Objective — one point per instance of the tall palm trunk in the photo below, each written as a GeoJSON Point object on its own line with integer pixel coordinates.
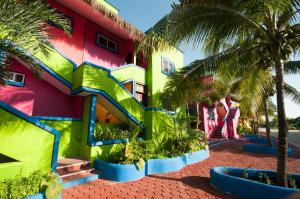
{"type": "Point", "coordinates": [282, 126]}
{"type": "Point", "coordinates": [198, 115]}
{"type": "Point", "coordinates": [268, 131]}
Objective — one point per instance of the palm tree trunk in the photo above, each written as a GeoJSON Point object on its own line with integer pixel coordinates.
{"type": "Point", "coordinates": [253, 125]}
{"type": "Point", "coordinates": [198, 115]}
{"type": "Point", "coordinates": [268, 131]}
{"type": "Point", "coordinates": [282, 126]}
{"type": "Point", "coordinates": [257, 123]}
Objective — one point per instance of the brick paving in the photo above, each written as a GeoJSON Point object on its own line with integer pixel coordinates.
{"type": "Point", "coordinates": [190, 182]}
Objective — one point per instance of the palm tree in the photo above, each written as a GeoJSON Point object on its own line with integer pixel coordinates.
{"type": "Point", "coordinates": [267, 27]}
{"type": "Point", "coordinates": [23, 24]}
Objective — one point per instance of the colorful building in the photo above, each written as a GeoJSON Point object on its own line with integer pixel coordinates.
{"type": "Point", "coordinates": [93, 77]}
{"type": "Point", "coordinates": [218, 119]}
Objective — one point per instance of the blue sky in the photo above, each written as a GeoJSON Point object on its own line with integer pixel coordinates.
{"type": "Point", "coordinates": [145, 13]}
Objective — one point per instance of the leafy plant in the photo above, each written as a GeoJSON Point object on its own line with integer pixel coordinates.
{"type": "Point", "coordinates": [292, 182]}
{"type": "Point", "coordinates": [267, 179]}
{"type": "Point", "coordinates": [106, 133]}
{"type": "Point", "coordinates": [244, 130]}
{"type": "Point", "coordinates": [176, 140]}
{"type": "Point", "coordinates": [246, 174]}
{"type": "Point", "coordinates": [37, 181]}
{"type": "Point", "coordinates": [260, 177]}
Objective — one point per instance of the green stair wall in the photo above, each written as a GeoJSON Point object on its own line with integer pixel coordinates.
{"type": "Point", "coordinates": [30, 145]}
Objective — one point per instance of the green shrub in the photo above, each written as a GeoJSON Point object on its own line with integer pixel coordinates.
{"type": "Point", "coordinates": [37, 181]}
{"type": "Point", "coordinates": [106, 133]}
{"type": "Point", "coordinates": [137, 152]}
{"type": "Point", "coordinates": [242, 130]}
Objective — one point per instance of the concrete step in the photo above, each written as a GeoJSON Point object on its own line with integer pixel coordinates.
{"type": "Point", "coordinates": [68, 165]}
{"type": "Point", "coordinates": [75, 171]}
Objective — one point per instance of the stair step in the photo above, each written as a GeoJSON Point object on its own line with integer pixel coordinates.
{"type": "Point", "coordinates": [79, 178]}
{"type": "Point", "coordinates": [66, 165]}
{"type": "Point", "coordinates": [75, 173]}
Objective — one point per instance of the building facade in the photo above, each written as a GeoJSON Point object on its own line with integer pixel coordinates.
{"type": "Point", "coordinates": [93, 77]}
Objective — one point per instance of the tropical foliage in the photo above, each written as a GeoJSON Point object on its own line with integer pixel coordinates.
{"type": "Point", "coordinates": [175, 140]}
{"type": "Point", "coordinates": [23, 31]}
{"type": "Point", "coordinates": [249, 37]}
{"type": "Point", "coordinates": [36, 182]}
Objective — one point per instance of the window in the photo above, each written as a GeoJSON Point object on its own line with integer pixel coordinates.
{"type": "Point", "coordinates": [167, 67]}
{"type": "Point", "coordinates": [15, 79]}
{"type": "Point", "coordinates": [105, 42]}
{"type": "Point", "coordinates": [70, 19]}
{"type": "Point", "coordinates": [129, 85]}
{"type": "Point", "coordinates": [141, 93]}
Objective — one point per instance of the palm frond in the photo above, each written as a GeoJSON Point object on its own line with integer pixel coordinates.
{"type": "Point", "coordinates": [292, 67]}
{"type": "Point", "coordinates": [292, 93]}
{"type": "Point", "coordinates": [24, 23]}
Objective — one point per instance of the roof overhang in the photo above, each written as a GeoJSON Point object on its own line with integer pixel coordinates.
{"type": "Point", "coordinates": [94, 11]}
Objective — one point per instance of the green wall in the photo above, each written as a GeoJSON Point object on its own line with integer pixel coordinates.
{"type": "Point", "coordinates": [130, 72]}
{"type": "Point", "coordinates": [70, 137]}
{"type": "Point", "coordinates": [157, 80]}
{"type": "Point", "coordinates": [88, 76]}
{"type": "Point", "coordinates": [58, 63]}
{"type": "Point", "coordinates": [30, 145]}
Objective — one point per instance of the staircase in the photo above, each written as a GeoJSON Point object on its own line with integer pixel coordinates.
{"type": "Point", "coordinates": [75, 171]}
{"type": "Point", "coordinates": [218, 132]}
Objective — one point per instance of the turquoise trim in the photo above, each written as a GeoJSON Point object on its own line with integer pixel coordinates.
{"type": "Point", "coordinates": [76, 91]}
{"type": "Point", "coordinates": [112, 77]}
{"type": "Point", "coordinates": [108, 142]}
{"type": "Point", "coordinates": [37, 123]}
{"type": "Point", "coordinates": [80, 181]}
{"type": "Point", "coordinates": [129, 172]}
{"type": "Point", "coordinates": [47, 69]}
{"type": "Point", "coordinates": [13, 83]}
{"type": "Point", "coordinates": [57, 118]}
{"type": "Point", "coordinates": [92, 117]}
{"type": "Point", "coordinates": [109, 98]}
{"type": "Point", "coordinates": [133, 86]}
{"type": "Point", "coordinates": [126, 66]}
{"type": "Point", "coordinates": [231, 180]}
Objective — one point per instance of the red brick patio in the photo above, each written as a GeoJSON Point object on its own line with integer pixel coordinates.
{"type": "Point", "coordinates": [191, 182]}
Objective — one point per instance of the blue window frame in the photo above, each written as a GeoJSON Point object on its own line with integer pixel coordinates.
{"type": "Point", "coordinates": [106, 43]}
{"type": "Point", "coordinates": [167, 67]}
{"type": "Point", "coordinates": [15, 79]}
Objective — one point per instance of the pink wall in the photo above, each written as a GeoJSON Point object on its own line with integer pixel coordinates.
{"type": "Point", "coordinates": [71, 46]}
{"type": "Point", "coordinates": [81, 46]}
{"type": "Point", "coordinates": [39, 98]}
{"type": "Point", "coordinates": [208, 124]}
{"type": "Point", "coordinates": [100, 56]}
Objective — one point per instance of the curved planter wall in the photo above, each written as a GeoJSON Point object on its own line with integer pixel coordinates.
{"type": "Point", "coordinates": [129, 172]}
{"type": "Point", "coordinates": [259, 139]}
{"type": "Point", "coordinates": [264, 149]}
{"type": "Point", "coordinates": [40, 196]}
{"type": "Point", "coordinates": [238, 186]}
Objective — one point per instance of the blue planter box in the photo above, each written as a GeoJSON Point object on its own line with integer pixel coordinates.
{"type": "Point", "coordinates": [259, 139]}
{"type": "Point", "coordinates": [157, 166]}
{"type": "Point", "coordinates": [230, 180]}
{"type": "Point", "coordinates": [264, 149]}
{"type": "Point", "coordinates": [129, 172]}
{"type": "Point", "coordinates": [40, 196]}
{"type": "Point", "coordinates": [118, 172]}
